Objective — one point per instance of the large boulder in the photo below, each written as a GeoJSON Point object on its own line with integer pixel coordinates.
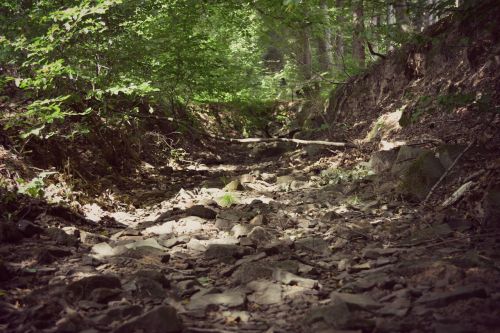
{"type": "Point", "coordinates": [383, 160]}
{"type": "Point", "coordinates": [421, 175]}
{"type": "Point", "coordinates": [406, 156]}
{"type": "Point", "coordinates": [448, 153]}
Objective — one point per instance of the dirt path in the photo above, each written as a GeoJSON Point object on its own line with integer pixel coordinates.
{"type": "Point", "coordinates": [274, 250]}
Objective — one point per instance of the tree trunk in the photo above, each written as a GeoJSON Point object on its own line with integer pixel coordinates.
{"type": "Point", "coordinates": [324, 41]}
{"type": "Point", "coordinates": [402, 19]}
{"type": "Point", "coordinates": [338, 41]}
{"type": "Point", "coordinates": [358, 45]}
{"type": "Point", "coordinates": [305, 59]}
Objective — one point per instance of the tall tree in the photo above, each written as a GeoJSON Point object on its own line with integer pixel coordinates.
{"type": "Point", "coordinates": [358, 43]}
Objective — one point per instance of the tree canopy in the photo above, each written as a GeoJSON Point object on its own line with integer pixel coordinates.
{"type": "Point", "coordinates": [80, 58]}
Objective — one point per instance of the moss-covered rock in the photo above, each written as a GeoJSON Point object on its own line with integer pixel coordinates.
{"type": "Point", "coordinates": [421, 175]}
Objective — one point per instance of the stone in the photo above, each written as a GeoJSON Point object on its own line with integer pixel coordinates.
{"type": "Point", "coordinates": [356, 301]}
{"type": "Point", "coordinates": [186, 225]}
{"type": "Point", "coordinates": [448, 153]}
{"type": "Point", "coordinates": [398, 307]}
{"type": "Point", "coordinates": [314, 150]}
{"type": "Point", "coordinates": [145, 287]}
{"type": "Point", "coordinates": [155, 275]}
{"type": "Point", "coordinates": [374, 253]}
{"type": "Point", "coordinates": [284, 181]}
{"type": "Point", "coordinates": [28, 228]}
{"type": "Point", "coordinates": [312, 244]}
{"type": "Point", "coordinates": [162, 319]}
{"type": "Point", "coordinates": [277, 247]}
{"type": "Point", "coordinates": [233, 186]}
{"type": "Point", "coordinates": [89, 238]}
{"type": "Point", "coordinates": [251, 271]}
{"type": "Point", "coordinates": [440, 299]}
{"type": "Point", "coordinates": [196, 245]}
{"type": "Point", "coordinates": [223, 224]}
{"type": "Point", "coordinates": [406, 155]}
{"type": "Point", "coordinates": [119, 314]}
{"type": "Point", "coordinates": [258, 220]}
{"type": "Point", "coordinates": [271, 149]}
{"type": "Point", "coordinates": [186, 288]}
{"type": "Point", "coordinates": [104, 295]}
{"type": "Point", "coordinates": [421, 175]}
{"type": "Point", "coordinates": [292, 279]}
{"type": "Point", "coordinates": [268, 177]}
{"type": "Point", "coordinates": [201, 211]}
{"type": "Point", "coordinates": [102, 250]}
{"type": "Point", "coordinates": [265, 292]}
{"type": "Point", "coordinates": [82, 288]}
{"type": "Point", "coordinates": [61, 237]}
{"type": "Point", "coordinates": [383, 160]}
{"type": "Point", "coordinates": [225, 252]}
{"type": "Point", "coordinates": [51, 254]}
{"type": "Point", "coordinates": [9, 233]}
{"type": "Point", "coordinates": [336, 315]}
{"type": "Point", "coordinates": [260, 236]}
{"type": "Point", "coordinates": [240, 230]}
{"type": "Point", "coordinates": [230, 298]}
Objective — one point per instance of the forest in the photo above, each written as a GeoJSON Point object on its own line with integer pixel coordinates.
{"type": "Point", "coordinates": [217, 166]}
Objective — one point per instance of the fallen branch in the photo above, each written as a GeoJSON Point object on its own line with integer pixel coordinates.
{"type": "Point", "coordinates": [297, 141]}
{"type": "Point", "coordinates": [443, 176]}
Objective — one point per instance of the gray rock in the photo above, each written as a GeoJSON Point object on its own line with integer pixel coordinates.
{"type": "Point", "coordinates": [383, 160]}
{"type": "Point", "coordinates": [356, 301]}
{"type": "Point", "coordinates": [119, 313]}
{"type": "Point", "coordinates": [240, 230]}
{"type": "Point", "coordinates": [186, 288]}
{"type": "Point", "coordinates": [51, 254]}
{"type": "Point", "coordinates": [200, 211]}
{"type": "Point", "coordinates": [82, 288]}
{"type": "Point", "coordinates": [234, 185]}
{"type": "Point", "coordinates": [288, 278]}
{"type": "Point", "coordinates": [265, 292]}
{"type": "Point", "coordinates": [230, 298]}
{"type": "Point", "coordinates": [421, 175]}
{"type": "Point", "coordinates": [260, 236]}
{"type": "Point", "coordinates": [406, 155]}
{"type": "Point", "coordinates": [9, 233]}
{"type": "Point", "coordinates": [61, 237]}
{"type": "Point", "coordinates": [336, 315]}
{"type": "Point", "coordinates": [196, 245]}
{"type": "Point", "coordinates": [250, 271]}
{"type": "Point", "coordinates": [225, 252]}
{"type": "Point", "coordinates": [223, 224]}
{"type": "Point", "coordinates": [155, 275]}
{"type": "Point", "coordinates": [374, 253]}
{"type": "Point", "coordinates": [258, 220]}
{"type": "Point", "coordinates": [314, 150]}
{"type": "Point", "coordinates": [440, 299]}
{"type": "Point", "coordinates": [89, 238]}
{"type": "Point", "coordinates": [104, 295]}
{"type": "Point", "coordinates": [28, 228]}
{"type": "Point", "coordinates": [271, 150]}
{"type": "Point", "coordinates": [162, 319]}
{"type": "Point", "coordinates": [312, 244]}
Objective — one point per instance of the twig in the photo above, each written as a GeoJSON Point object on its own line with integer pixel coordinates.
{"type": "Point", "coordinates": [446, 172]}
